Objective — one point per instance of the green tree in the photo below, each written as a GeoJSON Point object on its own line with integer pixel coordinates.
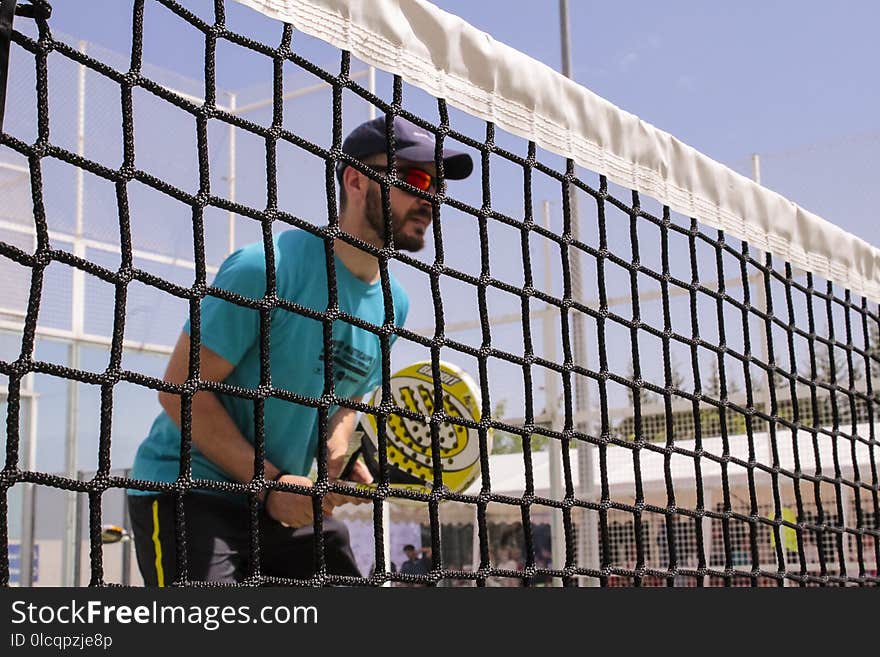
{"type": "Point", "coordinates": [677, 378]}
{"type": "Point", "coordinates": [873, 340]}
{"type": "Point", "coordinates": [645, 396]}
{"type": "Point", "coordinates": [874, 356]}
{"type": "Point", "coordinates": [712, 384]}
{"type": "Point", "coordinates": [503, 442]}
{"type": "Point", "coordinates": [508, 443]}
{"type": "Point", "coordinates": [841, 367]}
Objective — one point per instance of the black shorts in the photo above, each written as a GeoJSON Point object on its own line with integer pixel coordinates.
{"type": "Point", "coordinates": [218, 542]}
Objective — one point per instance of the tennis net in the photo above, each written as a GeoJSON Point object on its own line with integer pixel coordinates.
{"type": "Point", "coordinates": [676, 367]}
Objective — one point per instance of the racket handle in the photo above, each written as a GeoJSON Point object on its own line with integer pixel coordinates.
{"type": "Point", "coordinates": [349, 466]}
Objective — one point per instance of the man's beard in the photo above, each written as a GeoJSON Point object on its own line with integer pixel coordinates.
{"type": "Point", "coordinates": [376, 219]}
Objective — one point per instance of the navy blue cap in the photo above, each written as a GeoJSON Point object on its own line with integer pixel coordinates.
{"type": "Point", "coordinates": [411, 143]}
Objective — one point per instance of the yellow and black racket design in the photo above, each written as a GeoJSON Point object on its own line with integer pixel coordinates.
{"type": "Point", "coordinates": [409, 453]}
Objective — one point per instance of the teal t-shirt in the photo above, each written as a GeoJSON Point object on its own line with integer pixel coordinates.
{"type": "Point", "coordinates": [296, 353]}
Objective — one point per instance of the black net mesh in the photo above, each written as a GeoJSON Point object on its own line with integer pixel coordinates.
{"type": "Point", "coordinates": [747, 456]}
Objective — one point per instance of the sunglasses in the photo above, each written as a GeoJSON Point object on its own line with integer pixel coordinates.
{"type": "Point", "coordinates": [418, 178]}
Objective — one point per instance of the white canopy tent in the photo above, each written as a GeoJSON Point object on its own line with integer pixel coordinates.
{"type": "Point", "coordinates": [507, 474]}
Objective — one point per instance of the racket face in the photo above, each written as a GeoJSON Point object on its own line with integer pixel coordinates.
{"type": "Point", "coordinates": [409, 440]}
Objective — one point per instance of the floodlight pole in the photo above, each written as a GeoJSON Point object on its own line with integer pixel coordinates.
{"type": "Point", "coordinates": [588, 538]}
{"type": "Point", "coordinates": [551, 410]}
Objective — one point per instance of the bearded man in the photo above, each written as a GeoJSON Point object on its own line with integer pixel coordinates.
{"type": "Point", "coordinates": [224, 419]}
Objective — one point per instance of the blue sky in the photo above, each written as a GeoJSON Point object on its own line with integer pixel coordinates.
{"type": "Point", "coordinates": [729, 79]}
{"type": "Point", "coordinates": [794, 81]}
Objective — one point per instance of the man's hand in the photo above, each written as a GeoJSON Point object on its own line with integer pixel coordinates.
{"type": "Point", "coordinates": [293, 509]}
{"type": "Point", "coordinates": [359, 474]}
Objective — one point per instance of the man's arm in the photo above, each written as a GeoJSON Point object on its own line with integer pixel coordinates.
{"type": "Point", "coordinates": [219, 439]}
{"type": "Point", "coordinates": [213, 430]}
{"type": "Point", "coordinates": [339, 432]}
{"type": "Point", "coordinates": [340, 428]}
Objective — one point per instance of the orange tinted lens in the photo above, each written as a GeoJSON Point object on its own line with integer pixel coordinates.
{"type": "Point", "coordinates": [419, 179]}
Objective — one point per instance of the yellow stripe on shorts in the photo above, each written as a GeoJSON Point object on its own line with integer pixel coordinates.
{"type": "Point", "coordinates": [157, 546]}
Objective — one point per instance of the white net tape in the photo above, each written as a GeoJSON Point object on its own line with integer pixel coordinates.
{"type": "Point", "coordinates": [445, 56]}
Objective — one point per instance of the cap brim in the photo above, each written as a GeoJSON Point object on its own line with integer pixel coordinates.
{"type": "Point", "coordinates": [456, 165]}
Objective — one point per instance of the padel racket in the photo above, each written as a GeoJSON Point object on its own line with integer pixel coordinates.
{"type": "Point", "coordinates": [408, 441]}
